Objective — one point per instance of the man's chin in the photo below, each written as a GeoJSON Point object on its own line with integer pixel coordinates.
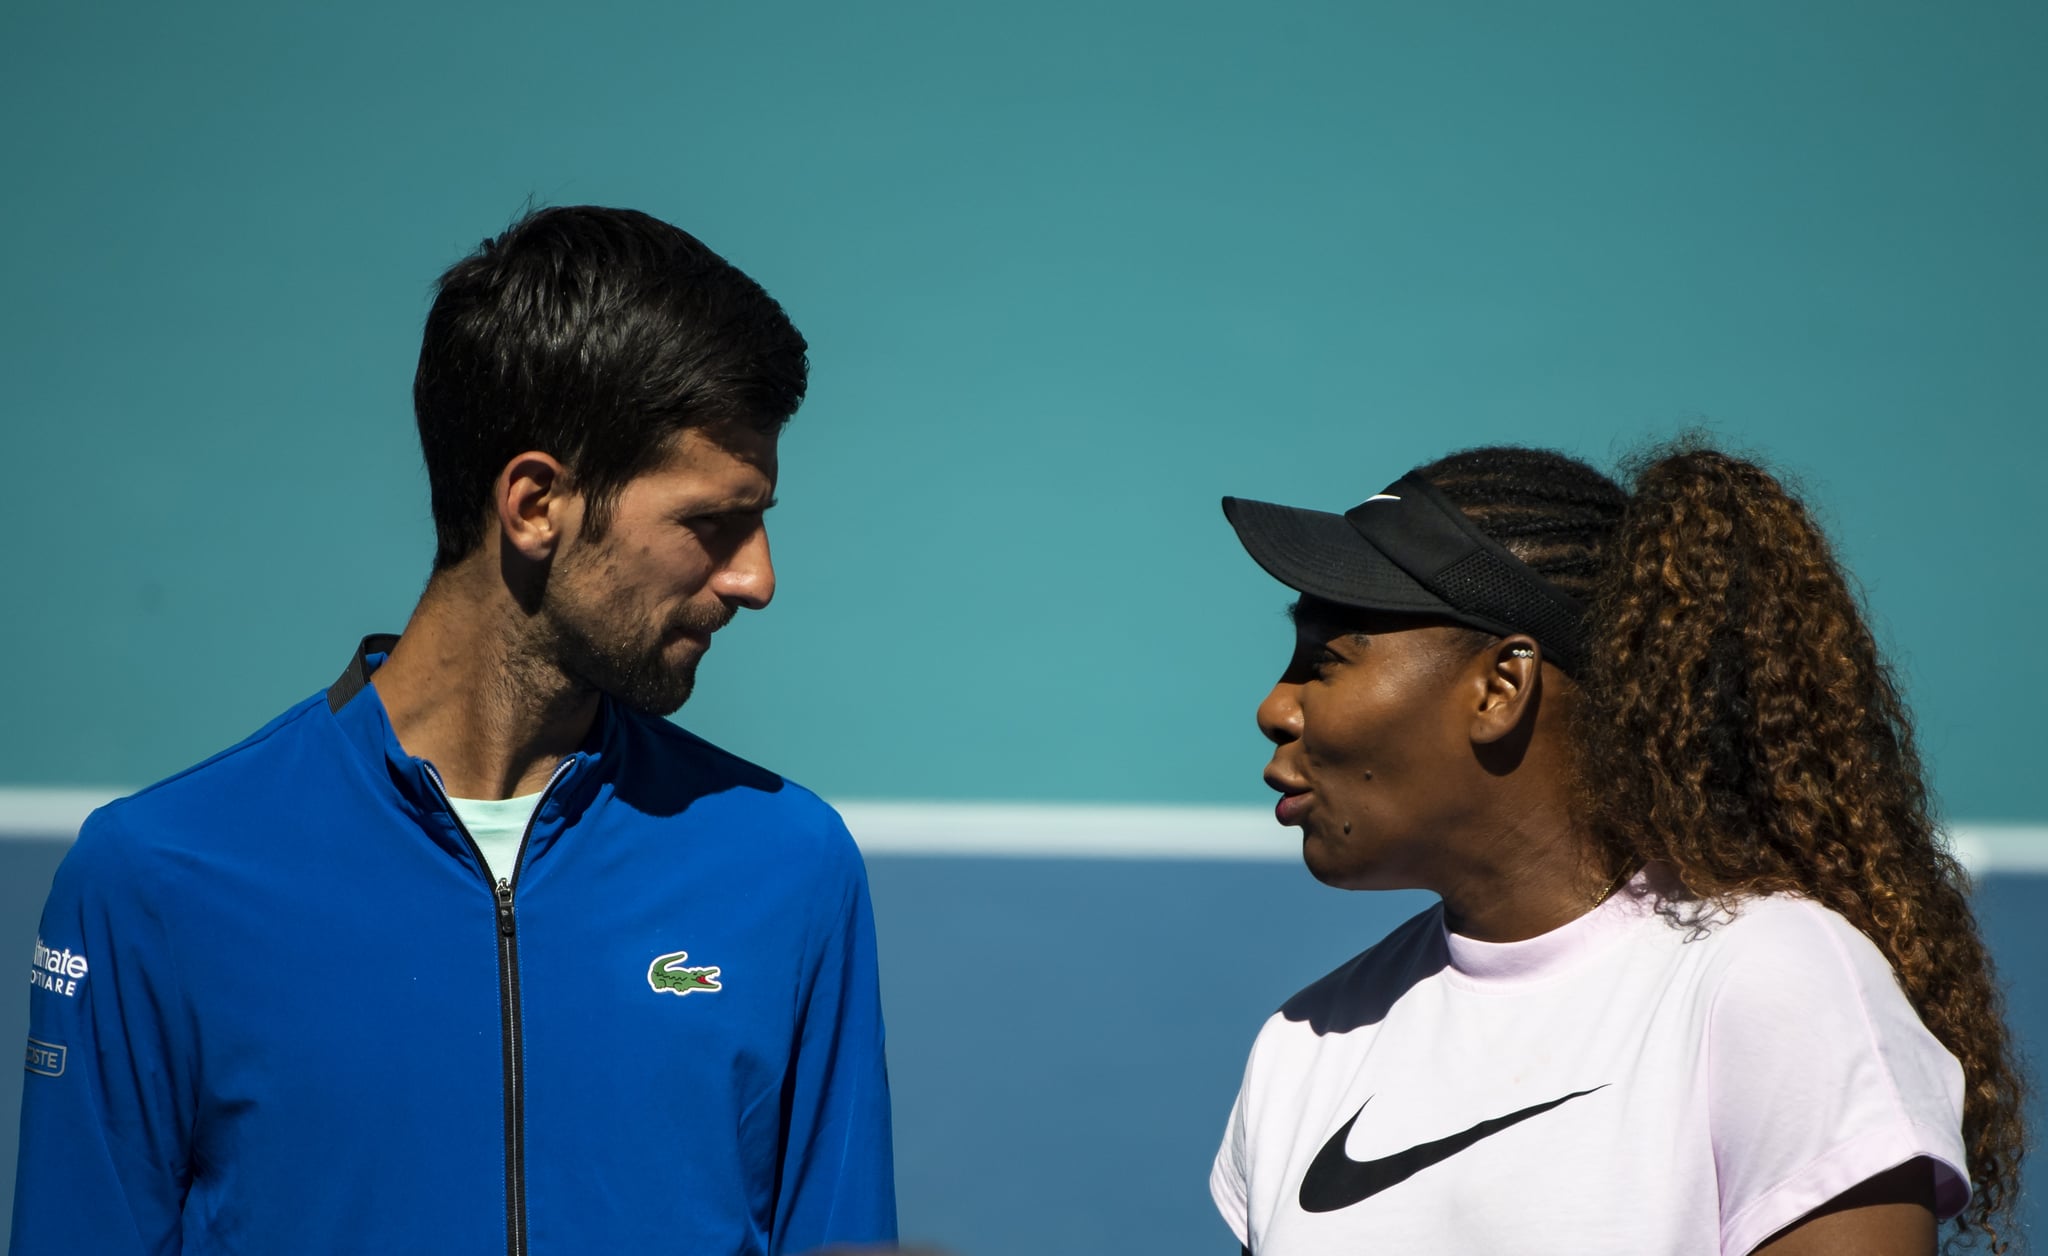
{"type": "Point", "coordinates": [653, 681]}
{"type": "Point", "coordinates": [656, 690]}
{"type": "Point", "coordinates": [663, 701]}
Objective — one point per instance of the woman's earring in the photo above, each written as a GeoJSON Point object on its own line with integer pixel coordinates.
{"type": "Point", "coordinates": [1522, 652]}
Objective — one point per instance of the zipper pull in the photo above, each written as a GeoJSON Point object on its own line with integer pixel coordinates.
{"type": "Point", "coordinates": [505, 907]}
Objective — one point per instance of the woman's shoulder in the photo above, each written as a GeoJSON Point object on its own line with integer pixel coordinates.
{"type": "Point", "coordinates": [1782, 938]}
{"type": "Point", "coordinates": [1789, 975]}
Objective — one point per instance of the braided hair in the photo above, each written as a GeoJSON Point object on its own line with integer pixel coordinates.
{"type": "Point", "coordinates": [1746, 731]}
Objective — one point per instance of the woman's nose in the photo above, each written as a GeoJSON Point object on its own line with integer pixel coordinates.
{"type": "Point", "coordinates": [1279, 715]}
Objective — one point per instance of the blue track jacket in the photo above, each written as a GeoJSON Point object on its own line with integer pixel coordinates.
{"type": "Point", "coordinates": [279, 1007]}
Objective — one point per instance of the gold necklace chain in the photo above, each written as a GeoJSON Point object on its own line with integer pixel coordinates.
{"type": "Point", "coordinates": [1612, 886]}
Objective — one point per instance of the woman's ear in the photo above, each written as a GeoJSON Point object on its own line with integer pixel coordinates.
{"type": "Point", "coordinates": [1513, 670]}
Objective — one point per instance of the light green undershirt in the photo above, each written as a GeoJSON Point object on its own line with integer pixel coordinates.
{"type": "Point", "coordinates": [496, 825]}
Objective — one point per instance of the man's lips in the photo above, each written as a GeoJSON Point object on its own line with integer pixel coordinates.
{"type": "Point", "coordinates": [697, 633]}
{"type": "Point", "coordinates": [698, 627]}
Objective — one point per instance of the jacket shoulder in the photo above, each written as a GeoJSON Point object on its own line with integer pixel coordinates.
{"type": "Point", "coordinates": [204, 790]}
{"type": "Point", "coordinates": [670, 768]}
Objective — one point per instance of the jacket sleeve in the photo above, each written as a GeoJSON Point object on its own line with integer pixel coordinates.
{"type": "Point", "coordinates": [838, 1182]}
{"type": "Point", "coordinates": [105, 1110]}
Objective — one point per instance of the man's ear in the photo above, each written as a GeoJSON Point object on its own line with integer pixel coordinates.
{"type": "Point", "coordinates": [534, 504]}
{"type": "Point", "coordinates": [1513, 670]}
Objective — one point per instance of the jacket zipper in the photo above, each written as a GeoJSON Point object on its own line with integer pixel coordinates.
{"type": "Point", "coordinates": [511, 1034]}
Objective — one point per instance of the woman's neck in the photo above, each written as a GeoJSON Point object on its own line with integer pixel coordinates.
{"type": "Point", "coordinates": [1529, 867]}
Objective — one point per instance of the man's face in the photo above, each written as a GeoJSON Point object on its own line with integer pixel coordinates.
{"type": "Point", "coordinates": [632, 612]}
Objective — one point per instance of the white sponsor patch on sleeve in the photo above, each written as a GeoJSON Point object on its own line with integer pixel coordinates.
{"type": "Point", "coordinates": [58, 971]}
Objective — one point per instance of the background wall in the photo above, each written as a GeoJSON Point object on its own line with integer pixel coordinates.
{"type": "Point", "coordinates": [1070, 272]}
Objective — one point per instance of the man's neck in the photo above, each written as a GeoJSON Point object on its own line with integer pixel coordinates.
{"type": "Point", "coordinates": [465, 693]}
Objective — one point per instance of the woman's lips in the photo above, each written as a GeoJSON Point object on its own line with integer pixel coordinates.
{"type": "Point", "coordinates": [1290, 808]}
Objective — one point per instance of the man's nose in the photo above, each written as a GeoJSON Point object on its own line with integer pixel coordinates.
{"type": "Point", "coordinates": [747, 578]}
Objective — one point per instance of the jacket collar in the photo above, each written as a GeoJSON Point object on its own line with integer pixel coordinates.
{"type": "Point", "coordinates": [360, 717]}
{"type": "Point", "coordinates": [356, 676]}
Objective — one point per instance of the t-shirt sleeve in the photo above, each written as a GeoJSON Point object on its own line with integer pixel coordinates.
{"type": "Point", "coordinates": [1227, 1176]}
{"type": "Point", "coordinates": [1820, 1075]}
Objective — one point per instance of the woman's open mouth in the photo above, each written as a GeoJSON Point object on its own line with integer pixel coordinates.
{"type": "Point", "coordinates": [1290, 807]}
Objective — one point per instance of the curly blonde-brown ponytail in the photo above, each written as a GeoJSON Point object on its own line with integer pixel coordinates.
{"type": "Point", "coordinates": [1745, 730]}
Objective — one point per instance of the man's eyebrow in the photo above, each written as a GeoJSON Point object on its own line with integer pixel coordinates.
{"type": "Point", "coordinates": [743, 503]}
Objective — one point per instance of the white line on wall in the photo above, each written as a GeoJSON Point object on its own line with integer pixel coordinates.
{"type": "Point", "coordinates": [49, 813]}
{"type": "Point", "coordinates": [1049, 830]}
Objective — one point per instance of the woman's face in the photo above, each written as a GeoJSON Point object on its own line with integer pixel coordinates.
{"type": "Point", "coordinates": [1372, 743]}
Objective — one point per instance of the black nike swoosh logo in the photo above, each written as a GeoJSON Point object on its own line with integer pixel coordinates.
{"type": "Point", "coordinates": [1334, 1180]}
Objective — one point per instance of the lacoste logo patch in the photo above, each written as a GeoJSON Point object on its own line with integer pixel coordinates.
{"type": "Point", "coordinates": [666, 975]}
{"type": "Point", "coordinates": [46, 1058]}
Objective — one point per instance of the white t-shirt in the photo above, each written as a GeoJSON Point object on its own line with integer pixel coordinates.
{"type": "Point", "coordinates": [497, 826]}
{"type": "Point", "coordinates": [1617, 1085]}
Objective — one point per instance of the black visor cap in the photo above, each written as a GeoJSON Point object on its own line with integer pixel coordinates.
{"type": "Point", "coordinates": [1409, 550]}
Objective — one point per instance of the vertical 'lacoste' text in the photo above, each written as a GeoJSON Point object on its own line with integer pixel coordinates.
{"type": "Point", "coordinates": [46, 1058]}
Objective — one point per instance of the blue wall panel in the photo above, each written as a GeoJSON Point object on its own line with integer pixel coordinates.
{"type": "Point", "coordinates": [1065, 1036]}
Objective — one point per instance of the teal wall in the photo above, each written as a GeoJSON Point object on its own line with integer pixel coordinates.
{"type": "Point", "coordinates": [1070, 271]}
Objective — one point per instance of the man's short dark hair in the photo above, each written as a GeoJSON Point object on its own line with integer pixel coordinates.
{"type": "Point", "coordinates": [593, 335]}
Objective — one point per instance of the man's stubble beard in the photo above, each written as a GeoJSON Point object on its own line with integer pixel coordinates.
{"type": "Point", "coordinates": [594, 632]}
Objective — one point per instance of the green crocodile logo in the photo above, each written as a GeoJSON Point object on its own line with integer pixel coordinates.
{"type": "Point", "coordinates": [667, 973]}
